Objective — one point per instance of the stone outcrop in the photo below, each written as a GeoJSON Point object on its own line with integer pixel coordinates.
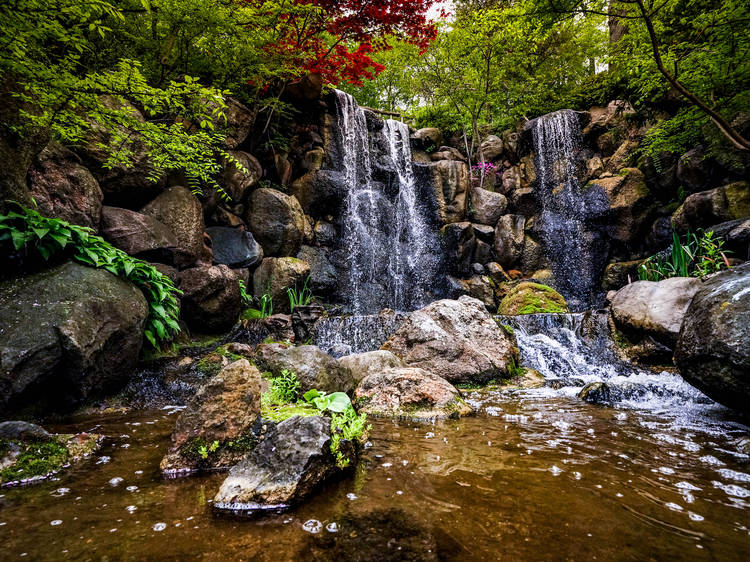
{"type": "Point", "coordinates": [68, 333]}
{"type": "Point", "coordinates": [234, 247]}
{"type": "Point", "coordinates": [532, 298]}
{"type": "Point", "coordinates": [451, 181]}
{"type": "Point", "coordinates": [313, 367]}
{"type": "Point", "coordinates": [712, 349]}
{"type": "Point", "coordinates": [409, 392]}
{"type": "Point", "coordinates": [138, 234]}
{"type": "Point", "coordinates": [369, 363]}
{"type": "Point", "coordinates": [211, 298]}
{"type": "Point", "coordinates": [457, 340]}
{"type": "Point", "coordinates": [275, 275]}
{"type": "Point", "coordinates": [710, 207]}
{"type": "Point", "coordinates": [277, 221]}
{"type": "Point", "coordinates": [487, 206]}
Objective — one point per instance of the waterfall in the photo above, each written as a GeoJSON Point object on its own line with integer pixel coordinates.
{"type": "Point", "coordinates": [570, 245]}
{"type": "Point", "coordinates": [391, 252]}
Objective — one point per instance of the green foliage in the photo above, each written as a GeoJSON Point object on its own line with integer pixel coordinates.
{"type": "Point", "coordinates": [37, 458]}
{"type": "Point", "coordinates": [284, 388]}
{"type": "Point", "coordinates": [350, 426]}
{"type": "Point", "coordinates": [247, 299]}
{"type": "Point", "coordinates": [205, 453]}
{"type": "Point", "coordinates": [29, 232]}
{"type": "Point", "coordinates": [301, 297]}
{"type": "Point", "coordinates": [696, 255]}
{"type": "Point", "coordinates": [336, 402]}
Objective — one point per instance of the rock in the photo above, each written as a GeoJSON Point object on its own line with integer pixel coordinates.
{"type": "Point", "coordinates": [313, 367]}
{"type": "Point", "coordinates": [427, 138]}
{"type": "Point", "coordinates": [369, 363]}
{"type": "Point", "coordinates": [323, 275]}
{"type": "Point", "coordinates": [596, 393]}
{"type": "Point", "coordinates": [68, 333]}
{"type": "Point", "coordinates": [211, 301]}
{"type": "Point", "coordinates": [451, 181]}
{"type": "Point", "coordinates": [496, 273]}
{"type": "Point", "coordinates": [325, 233]}
{"type": "Point", "coordinates": [630, 203]}
{"type": "Point", "coordinates": [285, 467]}
{"type": "Point", "coordinates": [23, 431]}
{"type": "Point", "coordinates": [225, 410]}
{"type": "Point", "coordinates": [619, 274]}
{"type": "Point", "coordinates": [235, 182]}
{"type": "Point", "coordinates": [308, 88]}
{"type": "Point", "coordinates": [63, 188]}
{"type": "Point", "coordinates": [736, 234]}
{"type": "Point", "coordinates": [712, 349]}
{"type": "Point", "coordinates": [487, 206]}
{"type": "Point", "coordinates": [182, 213]}
{"type": "Point", "coordinates": [459, 243]}
{"type": "Point", "coordinates": [304, 319]}
{"type": "Point", "coordinates": [409, 392]}
{"type": "Point", "coordinates": [480, 287]}
{"type": "Point", "coordinates": [532, 298]}
{"type": "Point", "coordinates": [717, 205]}
{"type": "Point", "coordinates": [456, 340]}
{"type": "Point", "coordinates": [484, 232]}
{"type": "Point", "coordinates": [594, 167]}
{"type": "Point", "coordinates": [277, 221]}
{"type": "Point", "coordinates": [492, 148]}
{"type": "Point", "coordinates": [482, 255]}
{"type": "Point", "coordinates": [509, 239]}
{"type": "Point", "coordinates": [620, 158]}
{"type": "Point", "coordinates": [695, 171]}
{"type": "Point", "coordinates": [276, 275]}
{"type": "Point", "coordinates": [447, 153]}
{"type": "Point", "coordinates": [239, 121]}
{"type": "Point", "coordinates": [138, 234]}
{"type": "Point", "coordinates": [511, 179]}
{"type": "Point", "coordinates": [234, 247]}
{"type": "Point", "coordinates": [654, 308]}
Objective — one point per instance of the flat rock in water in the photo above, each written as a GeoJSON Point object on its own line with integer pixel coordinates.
{"type": "Point", "coordinates": [284, 468]}
{"type": "Point", "coordinates": [23, 431]}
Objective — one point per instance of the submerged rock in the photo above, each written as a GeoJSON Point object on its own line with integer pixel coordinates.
{"type": "Point", "coordinates": [68, 333]}
{"type": "Point", "coordinates": [286, 466]}
{"type": "Point", "coordinates": [409, 392]}
{"type": "Point", "coordinates": [455, 339]}
{"type": "Point", "coordinates": [713, 349]}
{"type": "Point", "coordinates": [313, 367]}
{"type": "Point", "coordinates": [596, 393]}
{"type": "Point", "coordinates": [216, 428]}
{"type": "Point", "coordinates": [532, 298]}
{"type": "Point", "coordinates": [654, 308]}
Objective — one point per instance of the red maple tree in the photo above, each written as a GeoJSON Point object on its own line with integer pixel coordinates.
{"type": "Point", "coordinates": [336, 38]}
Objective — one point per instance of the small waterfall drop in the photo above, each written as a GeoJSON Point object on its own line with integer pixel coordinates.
{"type": "Point", "coordinates": [391, 251]}
{"type": "Point", "coordinates": [571, 246]}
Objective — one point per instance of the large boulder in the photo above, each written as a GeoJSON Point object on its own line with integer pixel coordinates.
{"type": "Point", "coordinates": [487, 206]}
{"type": "Point", "coordinates": [369, 363]}
{"type": "Point", "coordinates": [181, 211]}
{"type": "Point", "coordinates": [713, 206]}
{"type": "Point", "coordinates": [234, 247]}
{"type": "Point", "coordinates": [238, 122]}
{"type": "Point", "coordinates": [237, 182]}
{"type": "Point", "coordinates": [277, 221]}
{"type": "Point", "coordinates": [138, 234]}
{"type": "Point", "coordinates": [427, 138]}
{"type": "Point", "coordinates": [454, 339]}
{"type": "Point", "coordinates": [654, 308]}
{"type": "Point", "coordinates": [323, 275]}
{"type": "Point", "coordinates": [68, 333]}
{"type": "Point", "coordinates": [532, 298]}
{"type": "Point", "coordinates": [451, 181]}
{"type": "Point", "coordinates": [459, 243]}
{"type": "Point", "coordinates": [293, 459]}
{"type": "Point", "coordinates": [409, 392]}
{"type": "Point", "coordinates": [314, 368]}
{"type": "Point", "coordinates": [63, 188]}
{"type": "Point", "coordinates": [712, 349]}
{"type": "Point", "coordinates": [275, 275]}
{"type": "Point", "coordinates": [492, 148]}
{"type": "Point", "coordinates": [509, 240]}
{"type": "Point", "coordinates": [211, 299]}
{"type": "Point", "coordinates": [224, 410]}
{"type": "Point", "coordinates": [630, 203]}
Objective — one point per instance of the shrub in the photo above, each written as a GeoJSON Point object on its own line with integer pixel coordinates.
{"type": "Point", "coordinates": [697, 255]}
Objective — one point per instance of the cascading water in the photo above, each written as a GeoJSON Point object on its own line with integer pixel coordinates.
{"type": "Point", "coordinates": [572, 247]}
{"type": "Point", "coordinates": [391, 252]}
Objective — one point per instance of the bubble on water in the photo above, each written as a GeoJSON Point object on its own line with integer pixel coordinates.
{"type": "Point", "coordinates": [732, 489]}
{"type": "Point", "coordinates": [666, 470]}
{"type": "Point", "coordinates": [429, 435]}
{"type": "Point", "coordinates": [577, 475]}
{"type": "Point", "coordinates": [687, 486]}
{"type": "Point", "coordinates": [3, 523]}
{"type": "Point", "coordinates": [131, 488]}
{"type": "Point", "coordinates": [56, 522]}
{"type": "Point", "coordinates": [159, 527]}
{"type": "Point", "coordinates": [386, 465]}
{"type": "Point", "coordinates": [138, 472]}
{"type": "Point", "coordinates": [350, 496]}
{"type": "Point", "coordinates": [125, 445]}
{"type": "Point", "coordinates": [103, 460]}
{"type": "Point", "coordinates": [621, 416]}
{"type": "Point", "coordinates": [131, 509]}
{"type": "Point", "coordinates": [332, 527]}
{"type": "Point", "coordinates": [60, 492]}
{"type": "Point", "coordinates": [493, 411]}
{"type": "Point", "coordinates": [618, 494]}
{"type": "Point", "coordinates": [673, 506]}
{"type": "Point", "coordinates": [709, 459]}
{"type": "Point", "coordinates": [312, 526]}
{"type": "Point", "coordinates": [695, 516]}
{"type": "Point", "coordinates": [399, 492]}
{"type": "Point", "coordinates": [112, 530]}
{"type": "Point", "coordinates": [116, 481]}
{"type": "Point", "coordinates": [734, 475]}
{"type": "Point", "coordinates": [368, 445]}
{"type": "Point", "coordinates": [555, 470]}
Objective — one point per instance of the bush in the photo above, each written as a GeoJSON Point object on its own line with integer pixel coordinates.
{"type": "Point", "coordinates": [698, 255]}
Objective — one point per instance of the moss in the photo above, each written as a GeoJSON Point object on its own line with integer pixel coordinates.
{"type": "Point", "coordinates": [508, 329]}
{"type": "Point", "coordinates": [35, 458]}
{"type": "Point", "coordinates": [532, 298]}
{"type": "Point", "coordinates": [211, 364]}
{"type": "Point", "coordinates": [204, 452]}
{"type": "Point", "coordinates": [279, 413]}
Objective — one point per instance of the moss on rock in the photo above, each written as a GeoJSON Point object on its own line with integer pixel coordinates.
{"type": "Point", "coordinates": [532, 298]}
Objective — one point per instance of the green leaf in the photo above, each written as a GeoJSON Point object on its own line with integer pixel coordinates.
{"type": "Point", "coordinates": [312, 394]}
{"type": "Point", "coordinates": [338, 402]}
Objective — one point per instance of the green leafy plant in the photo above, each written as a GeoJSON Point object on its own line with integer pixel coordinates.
{"type": "Point", "coordinates": [284, 389]}
{"type": "Point", "coordinates": [247, 299]}
{"type": "Point", "coordinates": [29, 233]}
{"type": "Point", "coordinates": [697, 255]}
{"type": "Point", "coordinates": [335, 402]}
{"type": "Point", "coordinates": [300, 297]}
{"type": "Point", "coordinates": [204, 451]}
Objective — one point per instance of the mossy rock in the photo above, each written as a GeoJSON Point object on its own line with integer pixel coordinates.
{"type": "Point", "coordinates": [281, 412]}
{"type": "Point", "coordinates": [532, 298]}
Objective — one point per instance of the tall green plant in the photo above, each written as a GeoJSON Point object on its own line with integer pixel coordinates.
{"type": "Point", "coordinates": [28, 231]}
{"type": "Point", "coordinates": [698, 255]}
{"type": "Point", "coordinates": [299, 297]}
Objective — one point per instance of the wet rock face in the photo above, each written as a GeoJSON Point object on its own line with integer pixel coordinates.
{"type": "Point", "coordinates": [68, 333]}
{"type": "Point", "coordinates": [710, 207]}
{"type": "Point", "coordinates": [456, 340]}
{"type": "Point", "coordinates": [654, 308]}
{"type": "Point", "coordinates": [712, 349]}
{"type": "Point", "coordinates": [292, 460]}
{"type": "Point", "coordinates": [451, 181]}
{"type": "Point", "coordinates": [211, 299]}
{"type": "Point", "coordinates": [487, 206]}
{"type": "Point", "coordinates": [277, 221]}
{"type": "Point", "coordinates": [369, 363]}
{"type": "Point", "coordinates": [223, 410]}
{"type": "Point", "coordinates": [409, 392]}
{"type": "Point", "coordinates": [276, 275]}
{"type": "Point", "coordinates": [138, 234]}
{"type": "Point", "coordinates": [313, 367]}
{"type": "Point", "coordinates": [234, 247]}
{"type": "Point", "coordinates": [63, 188]}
